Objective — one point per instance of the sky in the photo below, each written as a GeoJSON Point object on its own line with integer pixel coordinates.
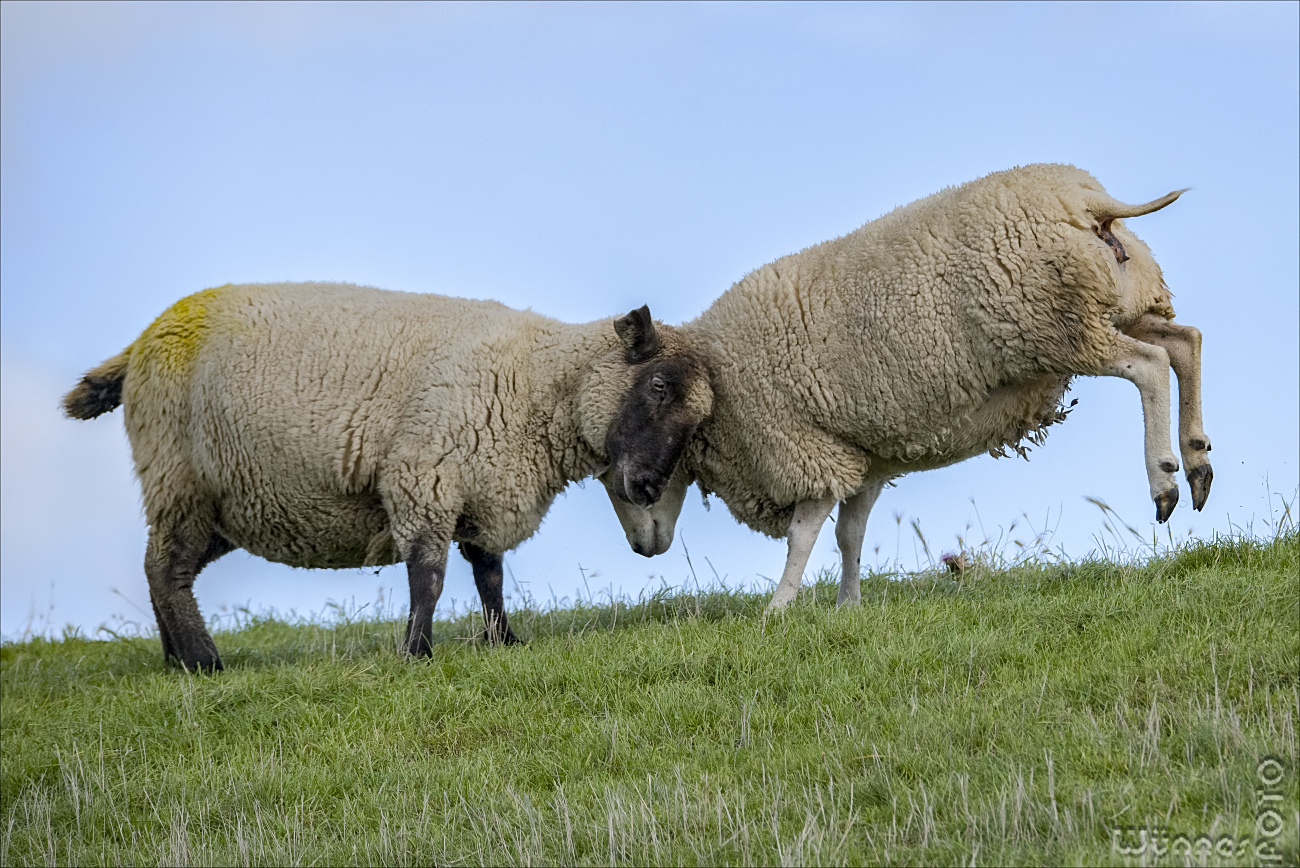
{"type": "Point", "coordinates": [582, 160]}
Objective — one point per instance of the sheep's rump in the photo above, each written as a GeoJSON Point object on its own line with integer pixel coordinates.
{"type": "Point", "coordinates": [280, 405]}
{"type": "Point", "coordinates": [947, 328]}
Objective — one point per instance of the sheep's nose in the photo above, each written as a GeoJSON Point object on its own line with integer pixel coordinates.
{"type": "Point", "coordinates": [644, 488]}
{"type": "Point", "coordinates": [648, 491]}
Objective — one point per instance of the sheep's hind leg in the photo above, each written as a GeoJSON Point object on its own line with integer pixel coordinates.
{"type": "Point", "coordinates": [850, 528]}
{"type": "Point", "coordinates": [1183, 344]}
{"type": "Point", "coordinates": [1147, 367]}
{"type": "Point", "coordinates": [426, 566]}
{"type": "Point", "coordinates": [168, 646]}
{"type": "Point", "coordinates": [177, 551]}
{"type": "Point", "coordinates": [804, 527]}
{"type": "Point", "coordinates": [217, 546]}
{"type": "Point", "coordinates": [488, 577]}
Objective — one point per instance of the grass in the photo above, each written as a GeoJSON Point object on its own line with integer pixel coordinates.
{"type": "Point", "coordinates": [1034, 714]}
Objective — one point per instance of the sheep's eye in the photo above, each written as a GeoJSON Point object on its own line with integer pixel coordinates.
{"type": "Point", "coordinates": [658, 384]}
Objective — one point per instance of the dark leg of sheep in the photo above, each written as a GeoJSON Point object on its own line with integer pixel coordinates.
{"type": "Point", "coordinates": [169, 647]}
{"type": "Point", "coordinates": [488, 576]}
{"type": "Point", "coordinates": [178, 549]}
{"type": "Point", "coordinates": [426, 566]}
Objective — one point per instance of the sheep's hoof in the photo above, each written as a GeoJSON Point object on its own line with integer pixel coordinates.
{"type": "Point", "coordinates": [203, 665]}
{"type": "Point", "coordinates": [1199, 478]}
{"type": "Point", "coordinates": [776, 606]}
{"type": "Point", "coordinates": [495, 638]}
{"type": "Point", "coordinates": [1165, 503]}
{"type": "Point", "coordinates": [418, 648]}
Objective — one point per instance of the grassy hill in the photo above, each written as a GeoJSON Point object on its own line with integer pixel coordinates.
{"type": "Point", "coordinates": [1037, 714]}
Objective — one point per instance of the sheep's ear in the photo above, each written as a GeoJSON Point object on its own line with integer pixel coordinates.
{"type": "Point", "coordinates": [637, 331]}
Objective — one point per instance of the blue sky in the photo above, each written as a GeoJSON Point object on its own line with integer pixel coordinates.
{"type": "Point", "coordinates": [582, 160]}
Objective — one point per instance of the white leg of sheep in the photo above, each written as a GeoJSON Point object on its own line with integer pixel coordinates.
{"type": "Point", "coordinates": [1147, 367]}
{"type": "Point", "coordinates": [1183, 344]}
{"type": "Point", "coordinates": [850, 528]}
{"type": "Point", "coordinates": [804, 527]}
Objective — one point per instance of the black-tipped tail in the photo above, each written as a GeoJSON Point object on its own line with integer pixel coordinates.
{"type": "Point", "coordinates": [100, 391]}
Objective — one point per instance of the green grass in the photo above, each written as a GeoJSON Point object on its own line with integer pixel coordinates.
{"type": "Point", "coordinates": [1010, 716]}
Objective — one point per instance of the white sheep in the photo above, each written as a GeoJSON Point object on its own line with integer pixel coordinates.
{"type": "Point", "coordinates": [331, 425]}
{"type": "Point", "coordinates": [944, 329]}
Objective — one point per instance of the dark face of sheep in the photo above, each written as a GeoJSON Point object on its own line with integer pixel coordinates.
{"type": "Point", "coordinates": [658, 415]}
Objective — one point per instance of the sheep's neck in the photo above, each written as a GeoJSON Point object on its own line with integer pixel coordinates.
{"type": "Point", "coordinates": [562, 361]}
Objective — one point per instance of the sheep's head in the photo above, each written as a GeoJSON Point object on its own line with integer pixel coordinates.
{"type": "Point", "coordinates": [650, 529]}
{"type": "Point", "coordinates": [659, 391]}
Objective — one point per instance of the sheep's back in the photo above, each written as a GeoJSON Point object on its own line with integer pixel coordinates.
{"type": "Point", "coordinates": [294, 397]}
{"type": "Point", "coordinates": [941, 330]}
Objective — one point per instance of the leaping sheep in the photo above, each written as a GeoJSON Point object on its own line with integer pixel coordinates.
{"type": "Point", "coordinates": [331, 425]}
{"type": "Point", "coordinates": [944, 329]}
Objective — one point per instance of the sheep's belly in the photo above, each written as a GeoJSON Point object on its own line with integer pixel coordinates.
{"type": "Point", "coordinates": [1008, 416]}
{"type": "Point", "coordinates": [310, 530]}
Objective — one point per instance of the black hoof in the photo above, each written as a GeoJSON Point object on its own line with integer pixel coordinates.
{"type": "Point", "coordinates": [202, 665]}
{"type": "Point", "coordinates": [1165, 503]}
{"type": "Point", "coordinates": [1199, 478]}
{"type": "Point", "coordinates": [496, 639]}
{"type": "Point", "coordinates": [420, 647]}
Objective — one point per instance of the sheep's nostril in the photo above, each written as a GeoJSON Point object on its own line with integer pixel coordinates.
{"type": "Point", "coordinates": [654, 489]}
{"type": "Point", "coordinates": [644, 490]}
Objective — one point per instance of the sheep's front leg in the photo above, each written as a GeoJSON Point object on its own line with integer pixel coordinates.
{"type": "Point", "coordinates": [850, 528]}
{"type": "Point", "coordinates": [804, 527]}
{"type": "Point", "coordinates": [426, 566]}
{"type": "Point", "coordinates": [488, 577]}
{"type": "Point", "coordinates": [1183, 344]}
{"type": "Point", "coordinates": [1147, 367]}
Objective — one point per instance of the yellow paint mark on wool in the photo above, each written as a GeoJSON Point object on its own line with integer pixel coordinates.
{"type": "Point", "coordinates": [173, 339]}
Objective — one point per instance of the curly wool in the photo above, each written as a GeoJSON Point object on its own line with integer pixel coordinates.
{"type": "Point", "coordinates": [331, 424]}
{"type": "Point", "coordinates": [946, 328]}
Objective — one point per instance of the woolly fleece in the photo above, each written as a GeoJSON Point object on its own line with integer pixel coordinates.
{"type": "Point", "coordinates": [320, 421]}
{"type": "Point", "coordinates": [946, 328]}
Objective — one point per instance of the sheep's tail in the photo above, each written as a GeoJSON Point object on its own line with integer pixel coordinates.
{"type": "Point", "coordinates": [100, 390]}
{"type": "Point", "coordinates": [1103, 207]}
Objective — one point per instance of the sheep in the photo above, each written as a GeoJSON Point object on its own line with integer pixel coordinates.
{"type": "Point", "coordinates": [334, 425]}
{"type": "Point", "coordinates": [944, 329]}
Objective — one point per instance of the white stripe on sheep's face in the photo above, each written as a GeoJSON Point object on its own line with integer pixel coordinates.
{"type": "Point", "coordinates": [667, 395]}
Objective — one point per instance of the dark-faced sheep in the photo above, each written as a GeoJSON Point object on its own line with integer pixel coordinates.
{"type": "Point", "coordinates": [331, 425]}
